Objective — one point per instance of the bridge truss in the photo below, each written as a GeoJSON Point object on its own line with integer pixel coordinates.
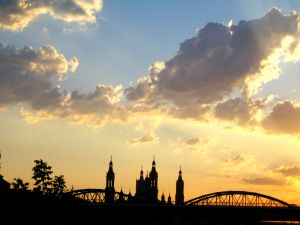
{"type": "Point", "coordinates": [225, 198]}
{"type": "Point", "coordinates": [96, 195]}
{"type": "Point", "coordinates": [236, 199]}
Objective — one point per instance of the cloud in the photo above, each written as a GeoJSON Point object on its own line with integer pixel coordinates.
{"type": "Point", "coordinates": [147, 138]}
{"type": "Point", "coordinates": [284, 118]}
{"type": "Point", "coordinates": [27, 75]}
{"type": "Point", "coordinates": [223, 67]}
{"type": "Point", "coordinates": [93, 109]}
{"type": "Point", "coordinates": [240, 110]}
{"type": "Point", "coordinates": [264, 181]}
{"type": "Point", "coordinates": [289, 171]}
{"type": "Point", "coordinates": [33, 76]}
{"type": "Point", "coordinates": [73, 63]}
{"type": "Point", "coordinates": [192, 141]}
{"type": "Point", "coordinates": [197, 145]}
{"type": "Point", "coordinates": [239, 159]}
{"type": "Point", "coordinates": [15, 15]}
{"type": "Point", "coordinates": [214, 75]}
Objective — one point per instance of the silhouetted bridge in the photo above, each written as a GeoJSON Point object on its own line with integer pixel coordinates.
{"type": "Point", "coordinates": [95, 195]}
{"type": "Point", "coordinates": [224, 199]}
{"type": "Point", "coordinates": [228, 207]}
{"type": "Point", "coordinates": [87, 206]}
{"type": "Point", "coordinates": [236, 199]}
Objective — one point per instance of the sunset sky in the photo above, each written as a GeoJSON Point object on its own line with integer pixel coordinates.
{"type": "Point", "coordinates": [211, 86]}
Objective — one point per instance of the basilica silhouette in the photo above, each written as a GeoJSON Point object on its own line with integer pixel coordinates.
{"type": "Point", "coordinates": [146, 188]}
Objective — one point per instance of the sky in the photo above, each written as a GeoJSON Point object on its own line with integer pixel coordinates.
{"type": "Point", "coordinates": [210, 86]}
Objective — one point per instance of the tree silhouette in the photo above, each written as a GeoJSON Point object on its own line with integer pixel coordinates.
{"type": "Point", "coordinates": [58, 185]}
{"type": "Point", "coordinates": [42, 176]}
{"type": "Point", "coordinates": [19, 185]}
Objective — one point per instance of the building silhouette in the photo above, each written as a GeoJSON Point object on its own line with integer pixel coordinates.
{"type": "Point", "coordinates": [146, 188]}
{"type": "Point", "coordinates": [140, 186]}
{"type": "Point", "coordinates": [169, 200]}
{"type": "Point", "coordinates": [110, 184]}
{"type": "Point", "coordinates": [163, 199]}
{"type": "Point", "coordinates": [179, 198]}
{"type": "Point", "coordinates": [153, 183]}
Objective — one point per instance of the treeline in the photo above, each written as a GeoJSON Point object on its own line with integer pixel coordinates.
{"type": "Point", "coordinates": [44, 182]}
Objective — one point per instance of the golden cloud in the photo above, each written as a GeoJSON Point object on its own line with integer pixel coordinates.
{"type": "Point", "coordinates": [146, 138]}
{"type": "Point", "coordinates": [17, 14]}
{"type": "Point", "coordinates": [214, 75]}
{"type": "Point", "coordinates": [217, 73]}
{"type": "Point", "coordinates": [284, 118]}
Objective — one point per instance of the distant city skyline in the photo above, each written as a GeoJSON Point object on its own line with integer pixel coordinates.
{"type": "Point", "coordinates": [146, 188]}
{"type": "Point", "coordinates": [205, 85]}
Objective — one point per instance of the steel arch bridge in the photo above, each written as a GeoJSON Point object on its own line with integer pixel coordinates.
{"type": "Point", "coordinates": [236, 199]}
{"type": "Point", "coordinates": [95, 195]}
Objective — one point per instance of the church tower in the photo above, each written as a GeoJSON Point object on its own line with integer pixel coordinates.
{"type": "Point", "coordinates": [153, 182]}
{"type": "Point", "coordinates": [110, 184]}
{"type": "Point", "coordinates": [179, 198]}
{"type": "Point", "coordinates": [140, 186]}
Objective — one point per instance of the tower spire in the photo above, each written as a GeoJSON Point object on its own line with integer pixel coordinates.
{"type": "Point", "coordinates": [142, 173]}
{"type": "Point", "coordinates": [153, 182]}
{"type": "Point", "coordinates": [110, 163]}
{"type": "Point", "coordinates": [153, 162]}
{"type": "Point", "coordinates": [110, 183]}
{"type": "Point", "coordinates": [179, 197]}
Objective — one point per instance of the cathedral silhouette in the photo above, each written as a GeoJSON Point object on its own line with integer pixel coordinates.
{"type": "Point", "coordinates": [146, 188]}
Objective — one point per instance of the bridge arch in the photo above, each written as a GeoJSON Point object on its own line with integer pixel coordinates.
{"type": "Point", "coordinates": [95, 195]}
{"type": "Point", "coordinates": [236, 199]}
